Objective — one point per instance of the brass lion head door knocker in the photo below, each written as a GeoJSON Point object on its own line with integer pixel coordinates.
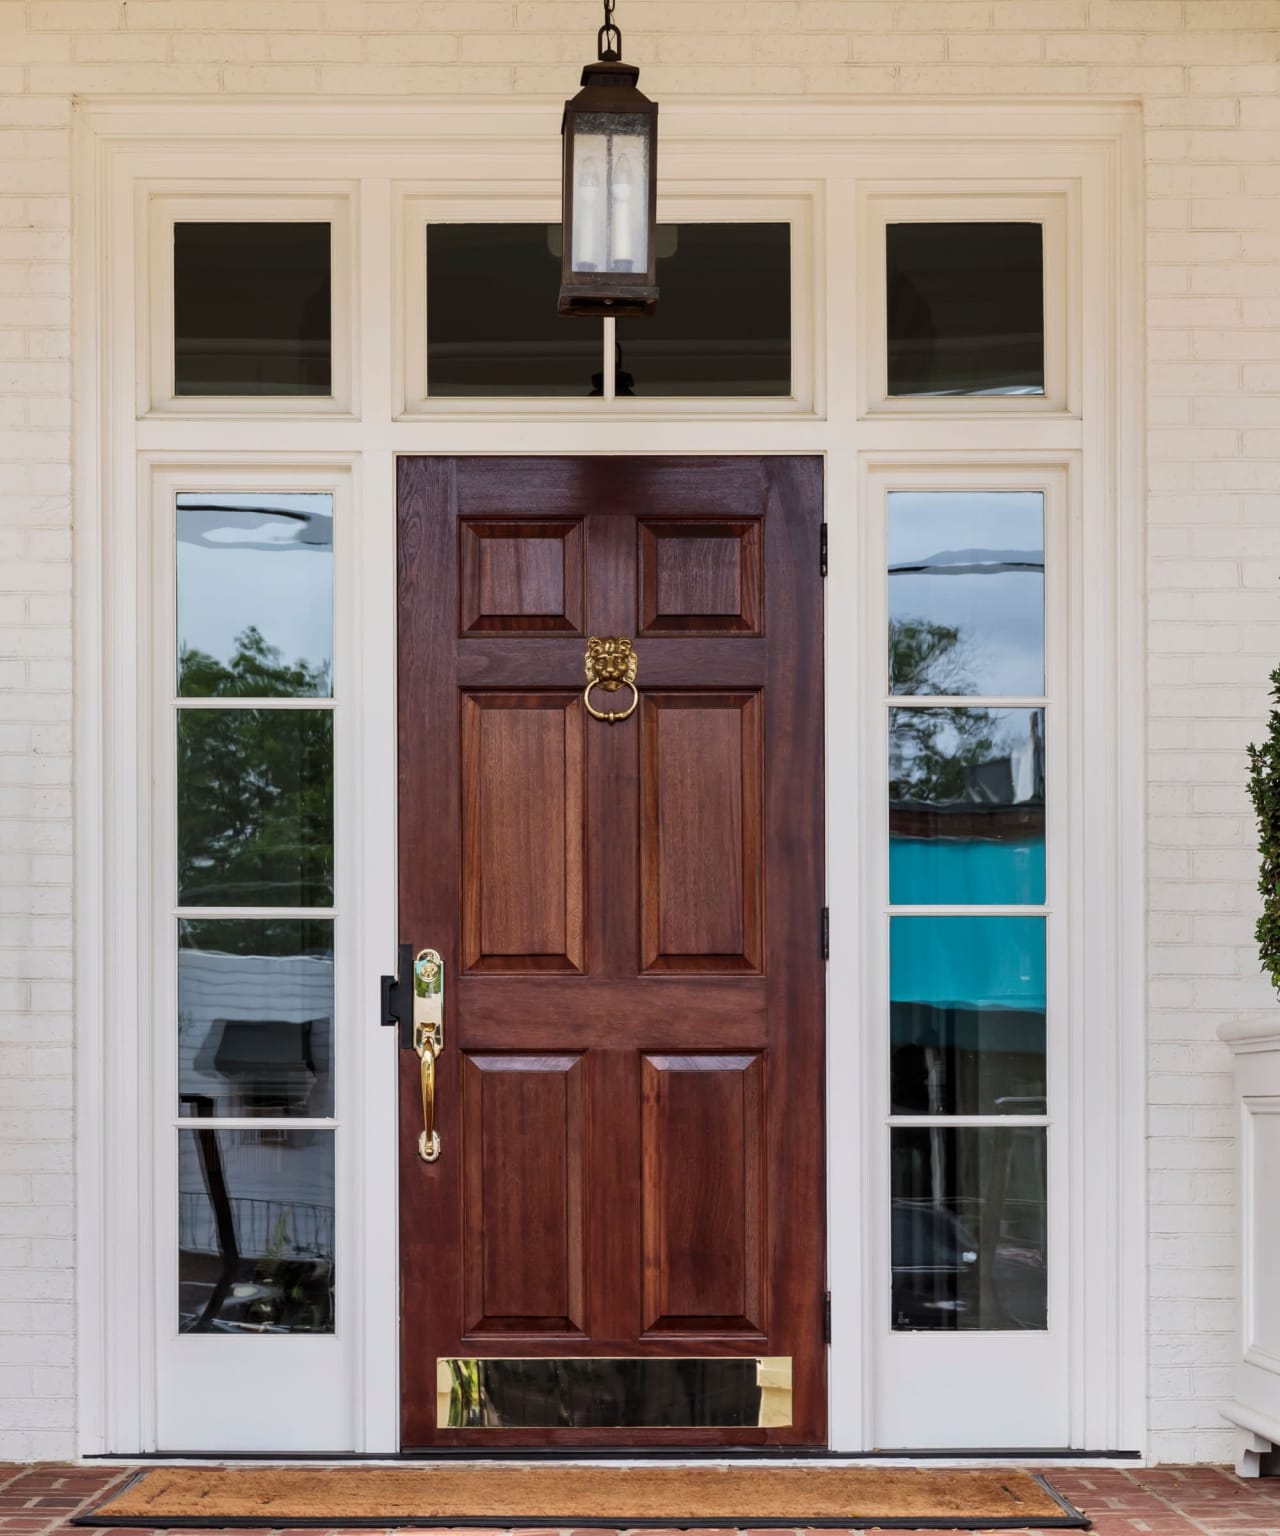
{"type": "Point", "coordinates": [611, 664]}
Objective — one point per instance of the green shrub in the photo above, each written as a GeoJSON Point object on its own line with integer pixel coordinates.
{"type": "Point", "coordinates": [1264, 791]}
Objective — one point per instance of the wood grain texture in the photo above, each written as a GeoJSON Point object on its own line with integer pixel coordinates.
{"type": "Point", "coordinates": [704, 1169]}
{"type": "Point", "coordinates": [701, 842]}
{"type": "Point", "coordinates": [701, 578]}
{"type": "Point", "coordinates": [520, 575]}
{"type": "Point", "coordinates": [523, 874]}
{"type": "Point", "coordinates": [674, 1005]}
{"type": "Point", "coordinates": [523, 1147]}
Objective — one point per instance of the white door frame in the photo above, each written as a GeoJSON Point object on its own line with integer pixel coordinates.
{"type": "Point", "coordinates": [825, 160]}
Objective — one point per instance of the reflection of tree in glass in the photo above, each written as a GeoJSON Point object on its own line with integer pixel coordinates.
{"type": "Point", "coordinates": [255, 786]}
{"type": "Point", "coordinates": [932, 751]}
{"type": "Point", "coordinates": [257, 670]}
{"type": "Point", "coordinates": [927, 658]}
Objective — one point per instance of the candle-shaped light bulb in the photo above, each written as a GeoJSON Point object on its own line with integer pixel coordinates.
{"type": "Point", "coordinates": [620, 188]}
{"type": "Point", "coordinates": [586, 217]}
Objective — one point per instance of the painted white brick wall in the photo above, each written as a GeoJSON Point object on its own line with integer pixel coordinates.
{"type": "Point", "coordinates": [1208, 75]}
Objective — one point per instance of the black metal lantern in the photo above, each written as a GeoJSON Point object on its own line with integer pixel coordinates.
{"type": "Point", "coordinates": [610, 129]}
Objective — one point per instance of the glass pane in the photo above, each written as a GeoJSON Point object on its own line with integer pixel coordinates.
{"type": "Point", "coordinates": [255, 1018]}
{"type": "Point", "coordinates": [966, 309]}
{"type": "Point", "coordinates": [616, 1393]}
{"type": "Point", "coordinates": [255, 808]}
{"type": "Point", "coordinates": [255, 595]}
{"type": "Point", "coordinates": [723, 323]}
{"type": "Point", "coordinates": [492, 326]}
{"type": "Point", "coordinates": [255, 1231]}
{"type": "Point", "coordinates": [966, 592]}
{"type": "Point", "coordinates": [611, 167]}
{"type": "Point", "coordinates": [970, 1225]}
{"type": "Point", "coordinates": [967, 1015]}
{"type": "Point", "coordinates": [966, 806]}
{"type": "Point", "coordinates": [252, 309]}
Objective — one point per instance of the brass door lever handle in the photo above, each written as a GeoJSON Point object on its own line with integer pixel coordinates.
{"type": "Point", "coordinates": [428, 1041]}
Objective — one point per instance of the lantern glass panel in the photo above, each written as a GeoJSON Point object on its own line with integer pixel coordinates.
{"type": "Point", "coordinates": [611, 193]}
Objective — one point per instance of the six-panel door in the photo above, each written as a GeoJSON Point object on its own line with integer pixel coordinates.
{"type": "Point", "coordinates": [622, 1240]}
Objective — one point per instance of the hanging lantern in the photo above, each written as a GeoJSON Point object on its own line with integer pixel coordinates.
{"type": "Point", "coordinates": [610, 130]}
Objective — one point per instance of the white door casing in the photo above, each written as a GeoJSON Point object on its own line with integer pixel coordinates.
{"type": "Point", "coordinates": [833, 171]}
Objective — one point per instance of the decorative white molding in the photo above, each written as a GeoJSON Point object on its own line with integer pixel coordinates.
{"type": "Point", "coordinates": [1255, 1409]}
{"type": "Point", "coordinates": [823, 152]}
{"type": "Point", "coordinates": [1254, 1032]}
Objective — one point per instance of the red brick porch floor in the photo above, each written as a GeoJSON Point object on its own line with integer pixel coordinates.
{"type": "Point", "coordinates": [1164, 1501]}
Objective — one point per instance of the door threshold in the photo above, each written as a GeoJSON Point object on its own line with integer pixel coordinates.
{"type": "Point", "coordinates": [786, 1455]}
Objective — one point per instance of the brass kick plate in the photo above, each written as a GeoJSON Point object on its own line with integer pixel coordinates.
{"type": "Point", "coordinates": [614, 1392]}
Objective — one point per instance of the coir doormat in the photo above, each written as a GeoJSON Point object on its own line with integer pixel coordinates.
{"type": "Point", "coordinates": [582, 1496]}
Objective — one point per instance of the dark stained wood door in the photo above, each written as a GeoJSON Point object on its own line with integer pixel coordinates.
{"type": "Point", "coordinates": [630, 1098]}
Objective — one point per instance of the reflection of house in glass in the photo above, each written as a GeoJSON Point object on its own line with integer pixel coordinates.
{"type": "Point", "coordinates": [255, 1231]}
{"type": "Point", "coordinates": [969, 1227]}
{"type": "Point", "coordinates": [967, 830]}
{"type": "Point", "coordinates": [966, 806]}
{"type": "Point", "coordinates": [255, 1205]}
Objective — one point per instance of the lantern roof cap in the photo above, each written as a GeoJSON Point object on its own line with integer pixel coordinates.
{"type": "Point", "coordinates": [612, 74]}
{"type": "Point", "coordinates": [610, 86]}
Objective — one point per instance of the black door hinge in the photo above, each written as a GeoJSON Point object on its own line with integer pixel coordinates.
{"type": "Point", "coordinates": [397, 998]}
{"type": "Point", "coordinates": [826, 1317]}
{"type": "Point", "coordinates": [822, 549]}
{"type": "Point", "coordinates": [826, 933]}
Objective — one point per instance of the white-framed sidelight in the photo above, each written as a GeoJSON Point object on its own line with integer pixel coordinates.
{"type": "Point", "coordinates": [835, 171]}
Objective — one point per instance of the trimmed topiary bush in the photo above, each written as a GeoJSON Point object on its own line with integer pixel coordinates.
{"type": "Point", "coordinates": [1264, 791]}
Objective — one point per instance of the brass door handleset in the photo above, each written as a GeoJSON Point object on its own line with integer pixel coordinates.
{"type": "Point", "coordinates": [413, 1001]}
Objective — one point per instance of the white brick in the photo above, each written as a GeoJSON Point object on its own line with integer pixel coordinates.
{"type": "Point", "coordinates": [76, 15]}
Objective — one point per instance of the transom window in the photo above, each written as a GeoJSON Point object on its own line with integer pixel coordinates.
{"type": "Point", "coordinates": [723, 326]}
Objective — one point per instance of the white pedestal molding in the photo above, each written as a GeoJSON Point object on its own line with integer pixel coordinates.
{"type": "Point", "coordinates": [1255, 1405]}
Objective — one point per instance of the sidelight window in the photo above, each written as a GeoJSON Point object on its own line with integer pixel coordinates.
{"type": "Point", "coordinates": [254, 921]}
{"type": "Point", "coordinates": [968, 718]}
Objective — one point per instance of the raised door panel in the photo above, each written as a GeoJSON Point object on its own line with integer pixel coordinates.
{"type": "Point", "coordinates": [703, 1150]}
{"type": "Point", "coordinates": [522, 834]}
{"type": "Point", "coordinates": [520, 576]}
{"type": "Point", "coordinates": [701, 577]}
{"type": "Point", "coordinates": [523, 1267]}
{"type": "Point", "coordinates": [701, 845]}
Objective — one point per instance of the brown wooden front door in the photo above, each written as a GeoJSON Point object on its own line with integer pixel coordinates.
{"type": "Point", "coordinates": [625, 1223]}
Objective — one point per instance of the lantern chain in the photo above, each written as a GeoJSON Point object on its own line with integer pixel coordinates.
{"type": "Point", "coordinates": [609, 40]}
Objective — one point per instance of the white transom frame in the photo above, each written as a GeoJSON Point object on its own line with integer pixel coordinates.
{"type": "Point", "coordinates": [231, 203]}
{"type": "Point", "coordinates": [822, 153]}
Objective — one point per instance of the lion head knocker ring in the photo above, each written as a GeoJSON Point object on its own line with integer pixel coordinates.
{"type": "Point", "coordinates": [611, 664]}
